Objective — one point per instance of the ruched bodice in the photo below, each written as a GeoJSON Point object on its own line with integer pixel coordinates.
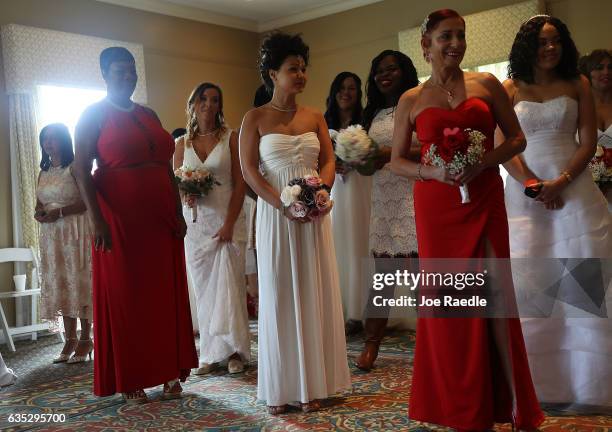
{"type": "Point", "coordinates": [278, 152]}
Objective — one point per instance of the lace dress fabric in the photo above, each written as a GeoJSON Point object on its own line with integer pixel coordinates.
{"type": "Point", "coordinates": [65, 250]}
{"type": "Point", "coordinates": [392, 226]}
{"type": "Point", "coordinates": [217, 269]}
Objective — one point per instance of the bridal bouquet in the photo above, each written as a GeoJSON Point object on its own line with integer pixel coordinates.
{"type": "Point", "coordinates": [601, 165]}
{"type": "Point", "coordinates": [458, 150]}
{"type": "Point", "coordinates": [355, 147]}
{"type": "Point", "coordinates": [194, 181]}
{"type": "Point", "coordinates": [306, 197]}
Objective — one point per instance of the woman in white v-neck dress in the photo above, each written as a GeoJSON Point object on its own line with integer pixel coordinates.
{"type": "Point", "coordinates": [302, 347]}
{"type": "Point", "coordinates": [215, 242]}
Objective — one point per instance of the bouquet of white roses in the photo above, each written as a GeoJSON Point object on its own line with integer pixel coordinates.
{"type": "Point", "coordinates": [355, 147]}
{"type": "Point", "coordinates": [306, 197]}
{"type": "Point", "coordinates": [194, 181]}
{"type": "Point", "coordinates": [458, 150]}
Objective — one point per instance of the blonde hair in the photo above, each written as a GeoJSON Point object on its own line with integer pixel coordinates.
{"type": "Point", "coordinates": [192, 120]}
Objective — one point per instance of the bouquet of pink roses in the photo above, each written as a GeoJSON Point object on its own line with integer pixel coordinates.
{"type": "Point", "coordinates": [306, 197]}
{"type": "Point", "coordinates": [458, 150]}
{"type": "Point", "coordinates": [194, 181]}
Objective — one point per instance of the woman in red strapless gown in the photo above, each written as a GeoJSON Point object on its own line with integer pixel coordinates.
{"type": "Point", "coordinates": [468, 372]}
{"type": "Point", "coordinates": [142, 323]}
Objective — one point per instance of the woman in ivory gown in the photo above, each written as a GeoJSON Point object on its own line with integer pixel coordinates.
{"type": "Point", "coordinates": [351, 195]}
{"type": "Point", "coordinates": [567, 219]}
{"type": "Point", "coordinates": [597, 67]}
{"type": "Point", "coordinates": [215, 242]}
{"type": "Point", "coordinates": [302, 347]}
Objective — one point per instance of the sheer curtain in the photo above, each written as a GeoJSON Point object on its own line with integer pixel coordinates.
{"type": "Point", "coordinates": [32, 57]}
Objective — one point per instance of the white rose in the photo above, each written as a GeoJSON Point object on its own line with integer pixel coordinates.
{"type": "Point", "coordinates": [599, 152]}
{"type": "Point", "coordinates": [286, 196]}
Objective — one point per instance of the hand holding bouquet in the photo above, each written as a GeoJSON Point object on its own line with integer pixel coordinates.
{"type": "Point", "coordinates": [459, 150]}
{"type": "Point", "coordinates": [355, 148]}
{"type": "Point", "coordinates": [306, 198]}
{"type": "Point", "coordinates": [601, 165]}
{"type": "Point", "coordinates": [194, 181]}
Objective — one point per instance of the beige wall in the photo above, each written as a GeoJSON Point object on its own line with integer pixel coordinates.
{"type": "Point", "coordinates": [178, 54]}
{"type": "Point", "coordinates": [349, 40]}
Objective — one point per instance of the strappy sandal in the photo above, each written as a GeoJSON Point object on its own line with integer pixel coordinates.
{"type": "Point", "coordinates": [313, 405]}
{"type": "Point", "coordinates": [276, 410]}
{"type": "Point", "coordinates": [172, 390]}
{"type": "Point", "coordinates": [137, 397]}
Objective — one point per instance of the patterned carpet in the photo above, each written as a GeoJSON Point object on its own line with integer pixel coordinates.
{"type": "Point", "coordinates": [222, 402]}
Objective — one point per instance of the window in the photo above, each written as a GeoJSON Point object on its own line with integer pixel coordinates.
{"type": "Point", "coordinates": [64, 104]}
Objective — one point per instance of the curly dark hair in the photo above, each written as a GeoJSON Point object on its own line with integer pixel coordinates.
{"type": "Point", "coordinates": [275, 48]}
{"type": "Point", "coordinates": [376, 100]}
{"type": "Point", "coordinates": [587, 63]}
{"type": "Point", "coordinates": [65, 141]}
{"type": "Point", "coordinates": [332, 113]}
{"type": "Point", "coordinates": [524, 52]}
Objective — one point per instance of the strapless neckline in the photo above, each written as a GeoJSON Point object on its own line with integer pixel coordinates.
{"type": "Point", "coordinates": [286, 135]}
{"type": "Point", "coordinates": [547, 101]}
{"type": "Point", "coordinates": [451, 109]}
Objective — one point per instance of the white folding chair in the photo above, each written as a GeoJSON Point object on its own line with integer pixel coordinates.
{"type": "Point", "coordinates": [21, 255]}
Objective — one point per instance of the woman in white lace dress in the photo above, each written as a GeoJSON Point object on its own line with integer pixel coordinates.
{"type": "Point", "coordinates": [392, 227]}
{"type": "Point", "coordinates": [570, 350]}
{"type": "Point", "coordinates": [302, 347]}
{"type": "Point", "coordinates": [351, 195]}
{"type": "Point", "coordinates": [216, 240]}
{"type": "Point", "coordinates": [65, 248]}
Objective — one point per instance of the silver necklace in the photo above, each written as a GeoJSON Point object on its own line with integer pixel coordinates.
{"type": "Point", "coordinates": [450, 94]}
{"type": "Point", "coordinates": [208, 133]}
{"type": "Point", "coordinates": [277, 108]}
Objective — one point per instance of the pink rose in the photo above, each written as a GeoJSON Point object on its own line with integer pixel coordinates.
{"type": "Point", "coordinates": [322, 199]}
{"type": "Point", "coordinates": [313, 181]}
{"type": "Point", "coordinates": [298, 209]}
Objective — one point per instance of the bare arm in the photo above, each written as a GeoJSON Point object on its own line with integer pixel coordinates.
{"type": "Point", "coordinates": [239, 186]}
{"type": "Point", "coordinates": [249, 161]}
{"type": "Point", "coordinates": [516, 166]}
{"type": "Point", "coordinates": [86, 139]}
{"type": "Point", "coordinates": [327, 158]}
{"type": "Point", "coordinates": [179, 153]}
{"type": "Point", "coordinates": [587, 130]}
{"type": "Point", "coordinates": [402, 162]}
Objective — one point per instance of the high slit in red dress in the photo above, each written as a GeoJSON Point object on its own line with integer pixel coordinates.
{"type": "Point", "coordinates": [142, 322]}
{"type": "Point", "coordinates": [458, 379]}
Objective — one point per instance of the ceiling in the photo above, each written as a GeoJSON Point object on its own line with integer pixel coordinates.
{"type": "Point", "coordinates": [252, 15]}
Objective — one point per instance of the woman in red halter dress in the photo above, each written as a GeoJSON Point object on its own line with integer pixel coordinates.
{"type": "Point", "coordinates": [468, 372]}
{"type": "Point", "coordinates": [142, 322]}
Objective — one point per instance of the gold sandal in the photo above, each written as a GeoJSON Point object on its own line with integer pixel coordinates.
{"type": "Point", "coordinates": [137, 397]}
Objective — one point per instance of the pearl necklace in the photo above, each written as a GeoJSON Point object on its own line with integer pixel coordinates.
{"type": "Point", "coordinates": [208, 133]}
{"type": "Point", "coordinates": [277, 108]}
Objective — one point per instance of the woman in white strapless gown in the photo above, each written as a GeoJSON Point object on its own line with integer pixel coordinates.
{"type": "Point", "coordinates": [302, 347]}
{"type": "Point", "coordinates": [216, 240]}
{"type": "Point", "coordinates": [351, 194]}
{"type": "Point", "coordinates": [570, 357]}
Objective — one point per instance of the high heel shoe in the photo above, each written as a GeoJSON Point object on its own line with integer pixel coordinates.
{"type": "Point", "coordinates": [64, 357]}
{"type": "Point", "coordinates": [172, 390]}
{"type": "Point", "coordinates": [276, 410]}
{"type": "Point", "coordinates": [137, 397]}
{"type": "Point", "coordinates": [313, 405]}
{"type": "Point", "coordinates": [81, 358]}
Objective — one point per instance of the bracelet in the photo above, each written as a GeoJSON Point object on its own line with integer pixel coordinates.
{"type": "Point", "coordinates": [567, 176]}
{"type": "Point", "coordinates": [419, 177]}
